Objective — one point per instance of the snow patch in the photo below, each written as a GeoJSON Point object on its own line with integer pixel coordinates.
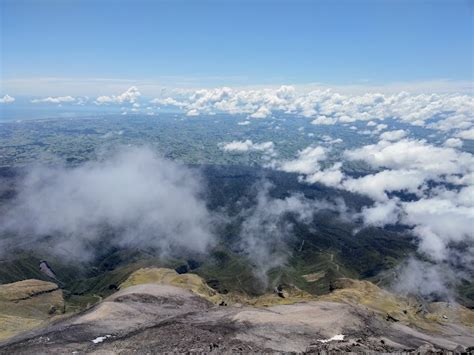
{"type": "Point", "coordinates": [338, 337]}
{"type": "Point", "coordinates": [101, 339]}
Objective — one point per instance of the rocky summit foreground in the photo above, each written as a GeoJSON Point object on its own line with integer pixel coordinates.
{"type": "Point", "coordinates": [157, 310]}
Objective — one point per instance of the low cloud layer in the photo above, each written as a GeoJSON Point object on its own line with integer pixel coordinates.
{"type": "Point", "coordinates": [429, 280]}
{"type": "Point", "coordinates": [427, 188]}
{"type": "Point", "coordinates": [149, 202]}
{"type": "Point", "coordinates": [266, 228]}
{"type": "Point", "coordinates": [444, 112]}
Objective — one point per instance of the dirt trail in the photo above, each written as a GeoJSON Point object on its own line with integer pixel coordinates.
{"type": "Point", "coordinates": [332, 261]}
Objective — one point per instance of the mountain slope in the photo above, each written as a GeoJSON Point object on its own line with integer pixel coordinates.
{"type": "Point", "coordinates": [159, 310]}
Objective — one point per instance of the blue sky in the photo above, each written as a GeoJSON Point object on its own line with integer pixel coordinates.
{"type": "Point", "coordinates": [215, 43]}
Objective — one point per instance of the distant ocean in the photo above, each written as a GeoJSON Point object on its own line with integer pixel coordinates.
{"type": "Point", "coordinates": [11, 114]}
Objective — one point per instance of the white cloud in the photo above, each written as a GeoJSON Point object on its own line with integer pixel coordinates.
{"type": "Point", "coordinates": [148, 201]}
{"type": "Point", "coordinates": [54, 100]}
{"type": "Point", "coordinates": [50, 86]}
{"type": "Point", "coordinates": [423, 278]}
{"type": "Point", "coordinates": [326, 107]}
{"type": "Point", "coordinates": [262, 112]}
{"type": "Point", "coordinates": [168, 101]}
{"type": "Point", "coordinates": [331, 176]}
{"type": "Point", "coordinates": [393, 135]}
{"type": "Point", "coordinates": [439, 209]}
{"type": "Point", "coordinates": [467, 134]}
{"type": "Point", "coordinates": [381, 213]}
{"type": "Point", "coordinates": [6, 99]}
{"type": "Point", "coordinates": [453, 143]}
{"type": "Point", "coordinates": [377, 185]}
{"type": "Point", "coordinates": [129, 96]}
{"type": "Point", "coordinates": [410, 154]}
{"type": "Point", "coordinates": [265, 146]}
{"type": "Point", "coordinates": [248, 145]}
{"type": "Point", "coordinates": [192, 113]}
{"type": "Point", "coordinates": [439, 221]}
{"type": "Point", "coordinates": [307, 162]}
{"type": "Point", "coordinates": [324, 120]}
{"type": "Point", "coordinates": [258, 103]}
{"type": "Point", "coordinates": [237, 146]}
{"type": "Point", "coordinates": [439, 216]}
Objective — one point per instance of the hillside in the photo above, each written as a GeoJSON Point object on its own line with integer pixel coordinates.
{"type": "Point", "coordinates": [160, 310]}
{"type": "Point", "coordinates": [28, 304]}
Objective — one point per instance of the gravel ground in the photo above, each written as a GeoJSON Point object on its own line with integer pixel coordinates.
{"type": "Point", "coordinates": [154, 318]}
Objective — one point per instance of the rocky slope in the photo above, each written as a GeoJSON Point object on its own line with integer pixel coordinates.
{"type": "Point", "coordinates": [158, 310]}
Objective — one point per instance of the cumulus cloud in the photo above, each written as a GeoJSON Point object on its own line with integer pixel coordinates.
{"type": "Point", "coordinates": [258, 103]}
{"type": "Point", "coordinates": [308, 164]}
{"type": "Point", "coordinates": [413, 154]}
{"type": "Point", "coordinates": [192, 113]}
{"type": "Point", "coordinates": [440, 221]}
{"type": "Point", "coordinates": [453, 143]}
{"type": "Point", "coordinates": [167, 102]}
{"type": "Point", "coordinates": [129, 96]}
{"type": "Point", "coordinates": [7, 99]}
{"type": "Point", "coordinates": [330, 176]}
{"type": "Point", "coordinates": [324, 120]}
{"type": "Point", "coordinates": [378, 185]}
{"type": "Point", "coordinates": [237, 146]}
{"type": "Point", "coordinates": [393, 135]}
{"type": "Point", "coordinates": [467, 134]}
{"type": "Point", "coordinates": [54, 100]}
{"type": "Point", "coordinates": [380, 127]}
{"type": "Point", "coordinates": [443, 112]}
{"type": "Point", "coordinates": [262, 112]}
{"type": "Point", "coordinates": [147, 202]}
{"type": "Point", "coordinates": [248, 145]}
{"type": "Point", "coordinates": [381, 213]}
{"type": "Point", "coordinates": [441, 217]}
{"type": "Point", "coordinates": [427, 188]}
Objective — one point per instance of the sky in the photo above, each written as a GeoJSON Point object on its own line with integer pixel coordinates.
{"type": "Point", "coordinates": [62, 47]}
